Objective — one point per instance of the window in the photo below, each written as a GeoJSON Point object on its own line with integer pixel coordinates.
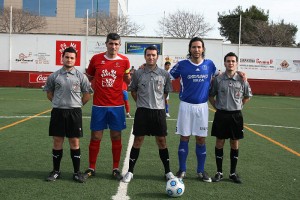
{"type": "Point", "coordinates": [1, 4]}
{"type": "Point", "coordinates": [104, 6]}
{"type": "Point", "coordinates": [45, 8]}
{"type": "Point", "coordinates": [82, 5]}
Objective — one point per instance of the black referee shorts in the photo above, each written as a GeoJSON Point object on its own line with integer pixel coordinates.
{"type": "Point", "coordinates": [150, 122]}
{"type": "Point", "coordinates": [66, 123]}
{"type": "Point", "coordinates": [228, 124]}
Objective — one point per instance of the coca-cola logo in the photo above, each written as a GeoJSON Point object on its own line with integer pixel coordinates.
{"type": "Point", "coordinates": [38, 78]}
{"type": "Point", "coordinates": [41, 78]}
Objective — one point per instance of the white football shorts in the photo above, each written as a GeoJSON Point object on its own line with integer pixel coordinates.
{"type": "Point", "coordinates": [168, 97]}
{"type": "Point", "coordinates": [192, 119]}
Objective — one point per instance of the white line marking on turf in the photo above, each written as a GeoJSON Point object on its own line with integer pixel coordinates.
{"type": "Point", "coordinates": [273, 126]}
{"type": "Point", "coordinates": [88, 117]}
{"type": "Point", "coordinates": [22, 116]}
{"type": "Point", "coordinates": [122, 189]}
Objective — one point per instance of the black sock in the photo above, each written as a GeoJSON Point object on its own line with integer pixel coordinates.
{"type": "Point", "coordinates": [164, 156]}
{"type": "Point", "coordinates": [219, 159]}
{"type": "Point", "coordinates": [234, 156]}
{"type": "Point", "coordinates": [56, 156]}
{"type": "Point", "coordinates": [75, 156]}
{"type": "Point", "coordinates": [134, 154]}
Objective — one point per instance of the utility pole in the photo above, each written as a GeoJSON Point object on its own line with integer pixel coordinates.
{"type": "Point", "coordinates": [97, 15]}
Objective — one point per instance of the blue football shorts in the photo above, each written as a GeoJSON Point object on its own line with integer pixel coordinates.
{"type": "Point", "coordinates": [112, 118]}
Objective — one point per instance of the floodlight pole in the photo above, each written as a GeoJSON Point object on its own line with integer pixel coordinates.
{"type": "Point", "coordinates": [87, 22]}
{"type": "Point", "coordinates": [10, 40]}
{"type": "Point", "coordinates": [240, 33]}
{"type": "Point", "coordinates": [86, 38]}
{"type": "Point", "coordinates": [97, 18]}
{"type": "Point", "coordinates": [163, 39]}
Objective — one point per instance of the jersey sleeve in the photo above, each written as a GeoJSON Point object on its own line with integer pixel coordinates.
{"type": "Point", "coordinates": [50, 83]}
{"type": "Point", "coordinates": [91, 68]}
{"type": "Point", "coordinates": [214, 69]}
{"type": "Point", "coordinates": [213, 90]}
{"type": "Point", "coordinates": [247, 90]}
{"type": "Point", "coordinates": [168, 87]}
{"type": "Point", "coordinates": [134, 81]}
{"type": "Point", "coordinates": [175, 71]}
{"type": "Point", "coordinates": [86, 85]}
{"type": "Point", "coordinates": [127, 71]}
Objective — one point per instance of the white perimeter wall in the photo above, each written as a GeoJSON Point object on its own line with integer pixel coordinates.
{"type": "Point", "coordinates": [20, 52]}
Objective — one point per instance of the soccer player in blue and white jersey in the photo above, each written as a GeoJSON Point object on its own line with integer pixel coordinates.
{"type": "Point", "coordinates": [195, 75]}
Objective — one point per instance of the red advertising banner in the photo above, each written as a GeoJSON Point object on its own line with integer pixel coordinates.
{"type": "Point", "coordinates": [61, 45]}
{"type": "Point", "coordinates": [38, 77]}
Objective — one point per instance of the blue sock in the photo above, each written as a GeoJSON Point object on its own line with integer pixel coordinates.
{"type": "Point", "coordinates": [201, 156]}
{"type": "Point", "coordinates": [167, 108]}
{"type": "Point", "coordinates": [183, 151]}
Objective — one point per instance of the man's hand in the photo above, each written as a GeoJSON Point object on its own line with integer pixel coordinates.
{"type": "Point", "coordinates": [243, 75]}
{"type": "Point", "coordinates": [142, 66]}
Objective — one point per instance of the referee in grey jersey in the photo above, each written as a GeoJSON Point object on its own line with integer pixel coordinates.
{"type": "Point", "coordinates": [231, 93]}
{"type": "Point", "coordinates": [68, 90]}
{"type": "Point", "coordinates": [149, 87]}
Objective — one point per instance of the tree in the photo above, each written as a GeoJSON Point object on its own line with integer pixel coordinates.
{"type": "Point", "coordinates": [274, 34]}
{"type": "Point", "coordinates": [101, 24]}
{"type": "Point", "coordinates": [255, 28]}
{"type": "Point", "coordinates": [183, 24]}
{"type": "Point", "coordinates": [22, 21]}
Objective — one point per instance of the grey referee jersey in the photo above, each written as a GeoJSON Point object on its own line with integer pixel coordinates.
{"type": "Point", "coordinates": [151, 85]}
{"type": "Point", "coordinates": [230, 92]}
{"type": "Point", "coordinates": [67, 88]}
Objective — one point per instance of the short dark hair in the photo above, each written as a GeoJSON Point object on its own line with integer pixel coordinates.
{"type": "Point", "coordinates": [69, 50]}
{"type": "Point", "coordinates": [113, 36]}
{"type": "Point", "coordinates": [167, 63]}
{"type": "Point", "coordinates": [231, 54]}
{"type": "Point", "coordinates": [152, 47]}
{"type": "Point", "coordinates": [190, 45]}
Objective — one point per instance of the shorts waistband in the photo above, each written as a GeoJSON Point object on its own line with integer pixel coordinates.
{"type": "Point", "coordinates": [228, 112]}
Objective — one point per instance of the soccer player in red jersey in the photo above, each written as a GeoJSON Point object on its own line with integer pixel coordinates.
{"type": "Point", "coordinates": [109, 70]}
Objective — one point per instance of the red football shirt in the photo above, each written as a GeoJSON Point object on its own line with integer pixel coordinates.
{"type": "Point", "coordinates": [108, 76]}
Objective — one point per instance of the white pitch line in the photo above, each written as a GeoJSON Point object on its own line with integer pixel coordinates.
{"type": "Point", "coordinates": [23, 116]}
{"type": "Point", "coordinates": [273, 126]}
{"type": "Point", "coordinates": [122, 189]}
{"type": "Point", "coordinates": [88, 117]}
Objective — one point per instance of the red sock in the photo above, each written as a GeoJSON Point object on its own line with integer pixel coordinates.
{"type": "Point", "coordinates": [94, 149]}
{"type": "Point", "coordinates": [127, 106]}
{"type": "Point", "coordinates": [116, 151]}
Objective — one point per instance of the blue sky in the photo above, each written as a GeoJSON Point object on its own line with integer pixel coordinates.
{"type": "Point", "coordinates": [149, 12]}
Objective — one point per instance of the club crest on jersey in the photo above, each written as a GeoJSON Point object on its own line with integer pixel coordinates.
{"type": "Point", "coordinates": [108, 82]}
{"type": "Point", "coordinates": [204, 67]}
{"type": "Point", "coordinates": [117, 64]}
{"type": "Point", "coordinates": [103, 62]}
{"type": "Point", "coordinates": [108, 78]}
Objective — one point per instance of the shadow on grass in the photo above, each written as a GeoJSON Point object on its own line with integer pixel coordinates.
{"type": "Point", "coordinates": [22, 174]}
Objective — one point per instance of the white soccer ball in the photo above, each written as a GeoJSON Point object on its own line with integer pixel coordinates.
{"type": "Point", "coordinates": [175, 187]}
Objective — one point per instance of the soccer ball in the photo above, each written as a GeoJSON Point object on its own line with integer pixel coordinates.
{"type": "Point", "coordinates": [175, 187]}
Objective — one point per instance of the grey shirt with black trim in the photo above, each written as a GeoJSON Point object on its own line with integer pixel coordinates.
{"type": "Point", "coordinates": [230, 92]}
{"type": "Point", "coordinates": [67, 87]}
{"type": "Point", "coordinates": [150, 86]}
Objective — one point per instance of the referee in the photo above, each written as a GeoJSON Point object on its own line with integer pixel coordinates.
{"type": "Point", "coordinates": [149, 88]}
{"type": "Point", "coordinates": [231, 94]}
{"type": "Point", "coordinates": [68, 90]}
